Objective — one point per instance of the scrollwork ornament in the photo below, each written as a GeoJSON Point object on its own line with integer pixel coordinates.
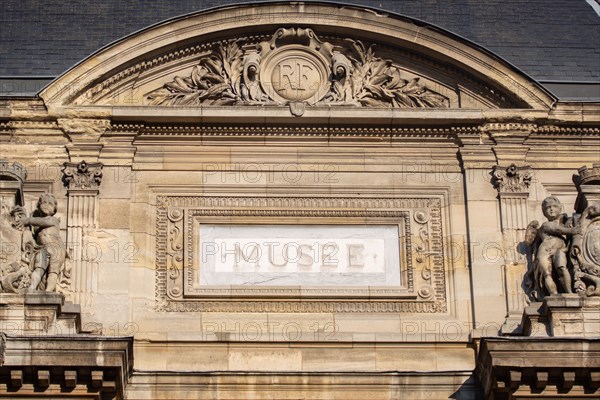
{"type": "Point", "coordinates": [426, 273]}
{"type": "Point", "coordinates": [585, 252]}
{"type": "Point", "coordinates": [82, 175]}
{"type": "Point", "coordinates": [175, 251]}
{"type": "Point", "coordinates": [296, 66]}
{"type": "Point", "coordinates": [512, 179]}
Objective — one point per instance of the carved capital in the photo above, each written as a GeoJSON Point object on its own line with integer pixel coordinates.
{"type": "Point", "coordinates": [82, 176]}
{"type": "Point", "coordinates": [512, 179]}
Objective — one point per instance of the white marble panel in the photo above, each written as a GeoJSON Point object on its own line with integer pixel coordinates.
{"type": "Point", "coordinates": [311, 255]}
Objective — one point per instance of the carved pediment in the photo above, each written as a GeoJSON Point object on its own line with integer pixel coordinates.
{"type": "Point", "coordinates": [296, 66]}
{"type": "Point", "coordinates": [329, 56]}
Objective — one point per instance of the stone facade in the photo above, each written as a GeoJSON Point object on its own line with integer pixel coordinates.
{"type": "Point", "coordinates": [401, 164]}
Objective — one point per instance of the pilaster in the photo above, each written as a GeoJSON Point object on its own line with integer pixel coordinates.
{"type": "Point", "coordinates": [83, 183]}
{"type": "Point", "coordinates": [483, 226]}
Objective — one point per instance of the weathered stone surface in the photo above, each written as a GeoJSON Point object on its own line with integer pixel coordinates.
{"type": "Point", "coordinates": [231, 146]}
{"type": "Point", "coordinates": [33, 251]}
{"type": "Point", "coordinates": [520, 367]}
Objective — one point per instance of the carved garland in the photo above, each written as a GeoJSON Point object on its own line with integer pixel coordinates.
{"type": "Point", "coordinates": [174, 238]}
{"type": "Point", "coordinates": [295, 66]}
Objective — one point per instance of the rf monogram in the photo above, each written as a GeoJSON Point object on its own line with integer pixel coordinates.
{"type": "Point", "coordinates": [293, 75]}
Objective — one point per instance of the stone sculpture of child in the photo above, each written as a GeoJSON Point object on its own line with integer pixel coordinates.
{"type": "Point", "coordinates": [552, 249]}
{"type": "Point", "coordinates": [52, 253]}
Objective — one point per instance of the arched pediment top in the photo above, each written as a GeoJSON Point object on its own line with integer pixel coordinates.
{"type": "Point", "coordinates": [295, 54]}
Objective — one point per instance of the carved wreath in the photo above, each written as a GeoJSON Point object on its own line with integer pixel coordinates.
{"type": "Point", "coordinates": [230, 75]}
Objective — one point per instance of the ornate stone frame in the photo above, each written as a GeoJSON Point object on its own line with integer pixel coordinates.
{"type": "Point", "coordinates": [421, 250]}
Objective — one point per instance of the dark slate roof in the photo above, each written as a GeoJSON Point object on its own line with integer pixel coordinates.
{"type": "Point", "coordinates": [554, 40]}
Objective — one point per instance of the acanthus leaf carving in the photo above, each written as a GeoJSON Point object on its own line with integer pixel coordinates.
{"type": "Point", "coordinates": [215, 80]}
{"type": "Point", "coordinates": [512, 179]}
{"type": "Point", "coordinates": [82, 175]}
{"type": "Point", "coordinates": [296, 66]}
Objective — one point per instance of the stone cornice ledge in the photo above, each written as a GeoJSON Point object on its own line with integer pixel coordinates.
{"type": "Point", "coordinates": [331, 115]}
{"type": "Point", "coordinates": [94, 365]}
{"type": "Point", "coordinates": [508, 368]}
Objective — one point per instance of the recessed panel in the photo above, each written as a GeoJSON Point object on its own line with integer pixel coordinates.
{"type": "Point", "coordinates": [299, 255]}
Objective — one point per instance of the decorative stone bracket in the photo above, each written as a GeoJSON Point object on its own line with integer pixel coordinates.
{"type": "Point", "coordinates": [536, 368]}
{"type": "Point", "coordinates": [551, 353]}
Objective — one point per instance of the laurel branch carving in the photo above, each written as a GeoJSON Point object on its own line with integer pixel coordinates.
{"type": "Point", "coordinates": [240, 73]}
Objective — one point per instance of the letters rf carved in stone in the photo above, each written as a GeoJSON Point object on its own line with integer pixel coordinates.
{"type": "Point", "coordinates": [296, 66]}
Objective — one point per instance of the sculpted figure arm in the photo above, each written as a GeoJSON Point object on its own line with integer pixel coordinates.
{"type": "Point", "coordinates": [551, 254]}
{"type": "Point", "coordinates": [47, 233]}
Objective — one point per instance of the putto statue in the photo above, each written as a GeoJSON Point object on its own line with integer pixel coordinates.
{"type": "Point", "coordinates": [549, 253]}
{"type": "Point", "coordinates": [565, 251]}
{"type": "Point", "coordinates": [51, 251]}
{"type": "Point", "coordinates": [33, 254]}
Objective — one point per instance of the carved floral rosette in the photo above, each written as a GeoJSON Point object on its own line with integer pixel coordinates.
{"type": "Point", "coordinates": [296, 66]}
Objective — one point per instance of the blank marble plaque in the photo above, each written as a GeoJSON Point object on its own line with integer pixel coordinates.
{"type": "Point", "coordinates": [305, 255]}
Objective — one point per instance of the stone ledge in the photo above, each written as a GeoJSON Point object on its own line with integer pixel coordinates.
{"type": "Point", "coordinates": [83, 364]}
{"type": "Point", "coordinates": [303, 385]}
{"type": "Point", "coordinates": [39, 313]}
{"type": "Point", "coordinates": [531, 366]}
{"type": "Point", "coordinates": [563, 315]}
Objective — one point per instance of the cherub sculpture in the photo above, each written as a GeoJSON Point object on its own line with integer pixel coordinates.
{"type": "Point", "coordinates": [51, 251]}
{"type": "Point", "coordinates": [549, 251]}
